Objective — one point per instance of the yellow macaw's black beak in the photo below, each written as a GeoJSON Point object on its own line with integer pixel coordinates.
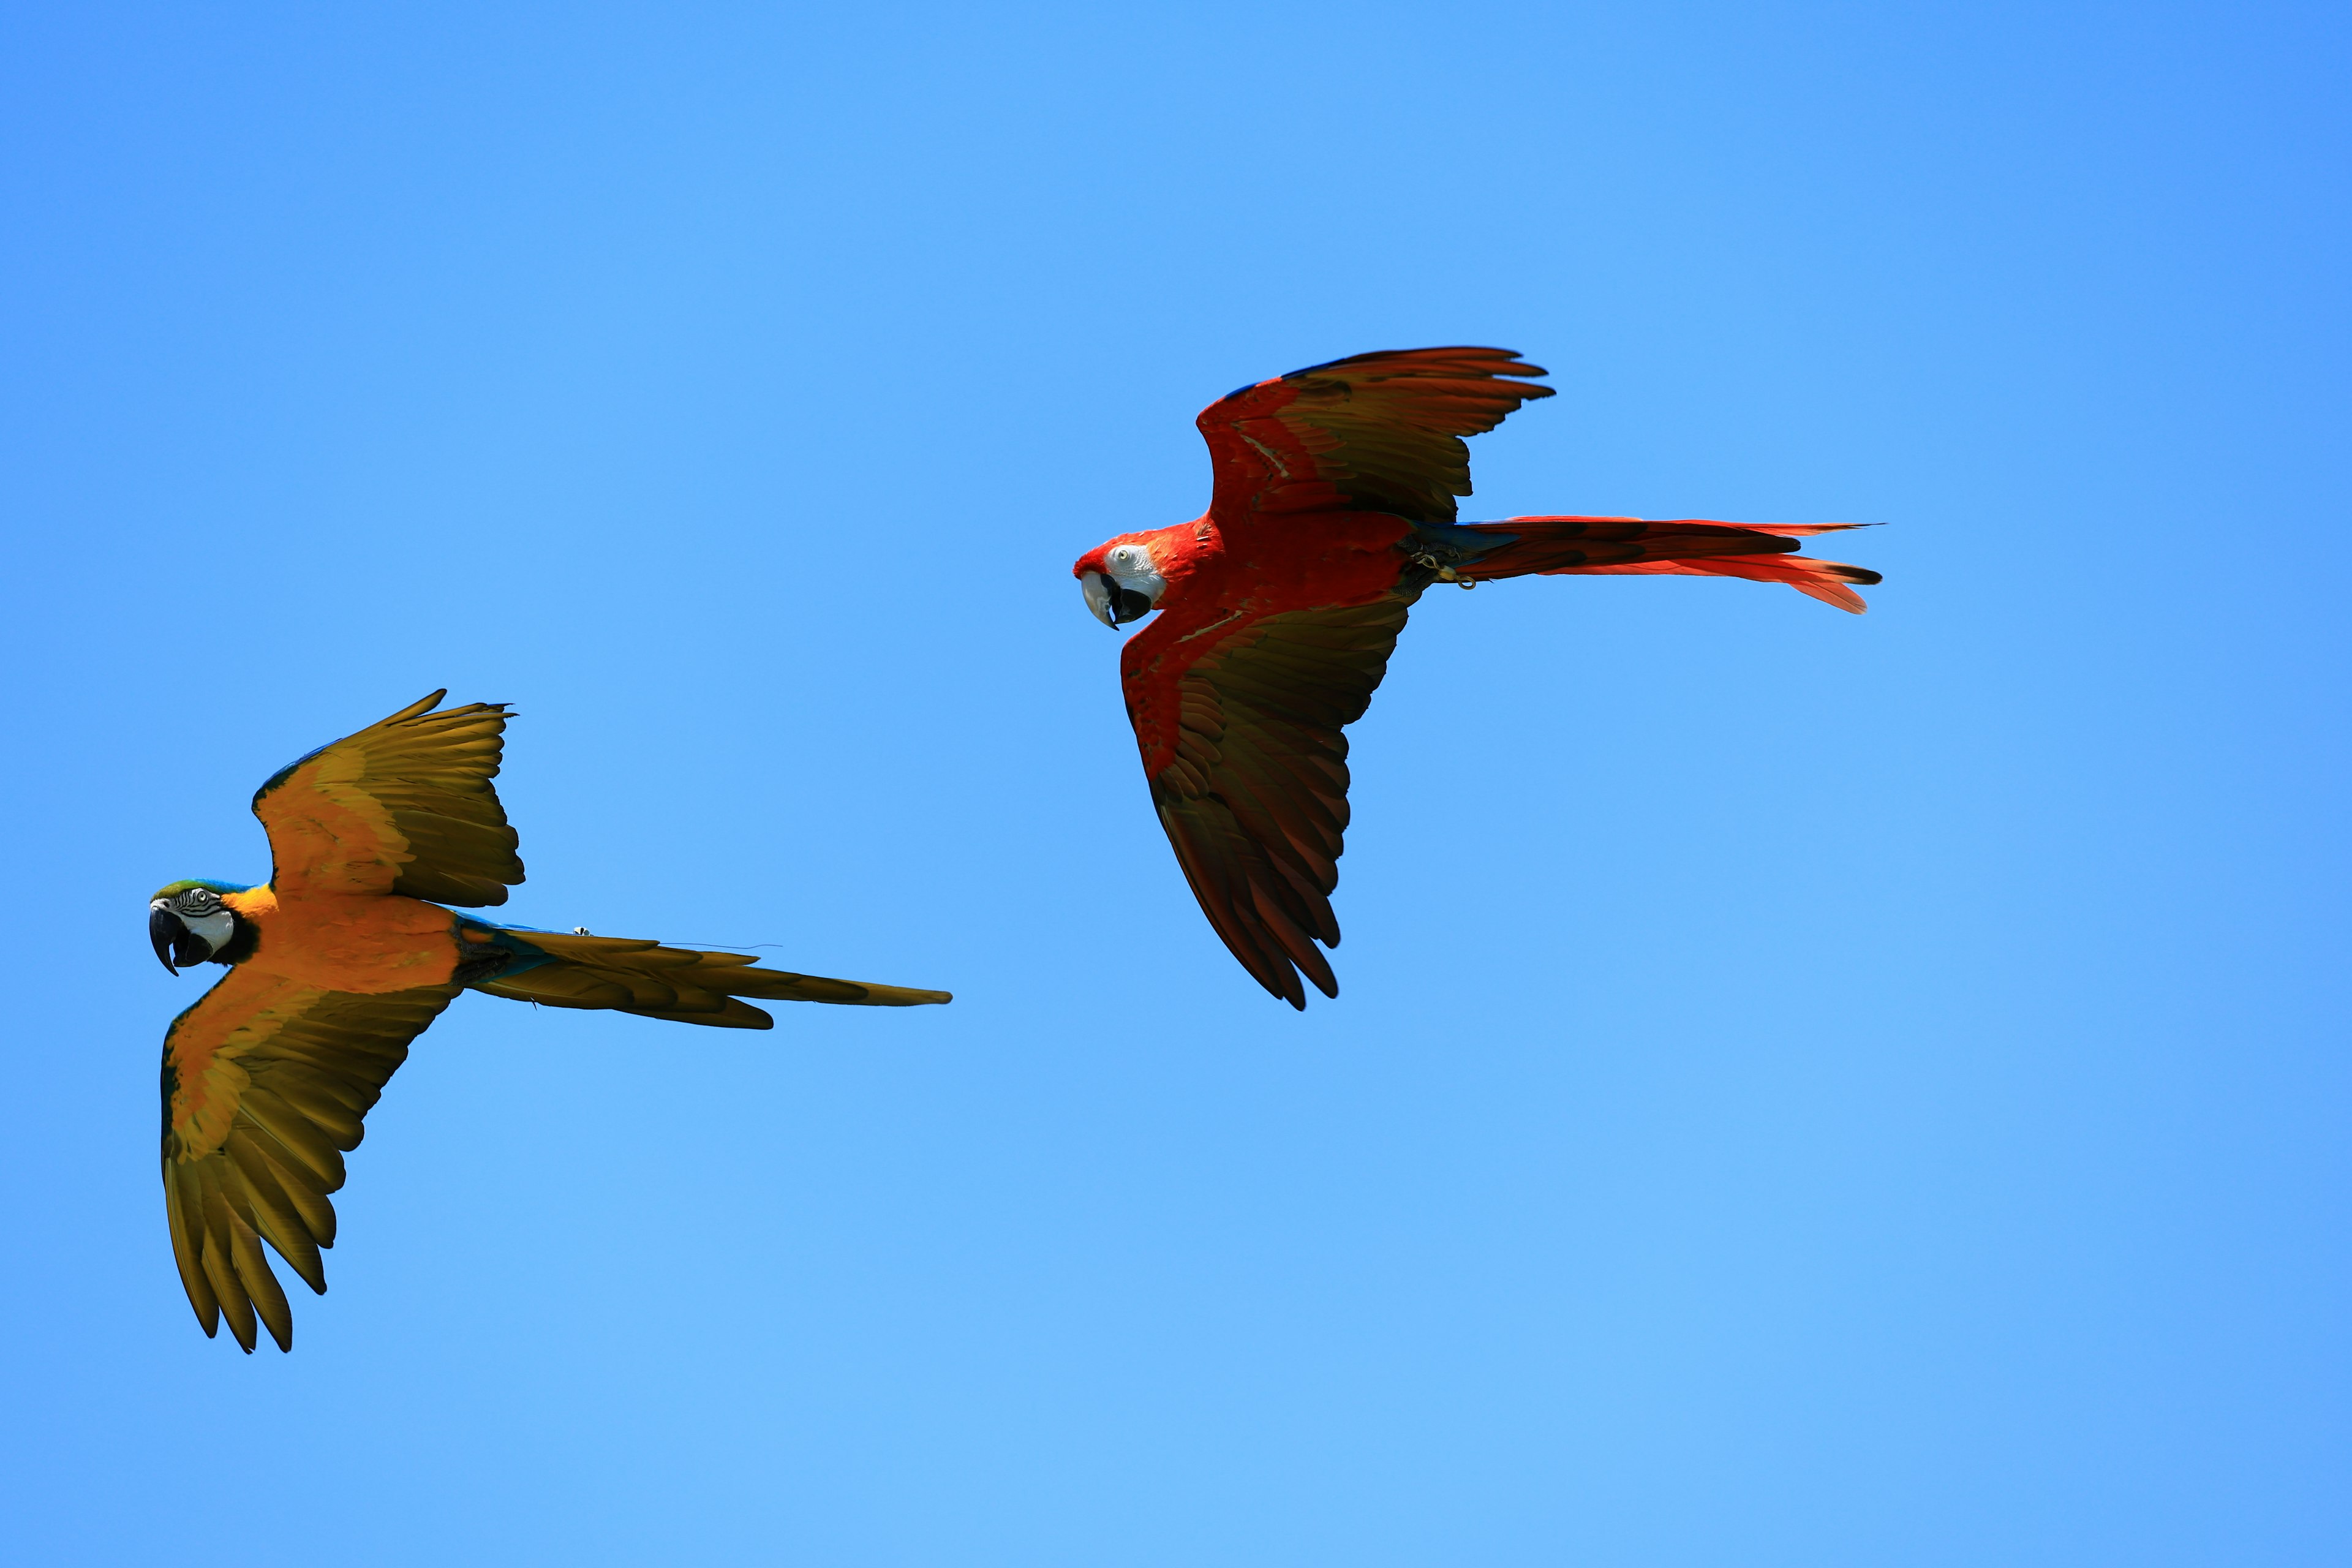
{"type": "Point", "coordinates": [176, 944]}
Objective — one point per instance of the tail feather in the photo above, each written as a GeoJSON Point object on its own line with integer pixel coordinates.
{"type": "Point", "coordinates": [564, 969]}
{"type": "Point", "coordinates": [1631, 546]}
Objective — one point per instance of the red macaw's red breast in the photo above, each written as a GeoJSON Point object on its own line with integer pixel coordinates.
{"type": "Point", "coordinates": [1217, 576]}
{"type": "Point", "coordinates": [365, 943]}
{"type": "Point", "coordinates": [1353, 555]}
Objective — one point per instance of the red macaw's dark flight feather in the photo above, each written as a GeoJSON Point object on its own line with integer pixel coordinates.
{"type": "Point", "coordinates": [1379, 432]}
{"type": "Point", "coordinates": [1255, 799]}
{"type": "Point", "coordinates": [267, 1078]}
{"type": "Point", "coordinates": [1271, 639]}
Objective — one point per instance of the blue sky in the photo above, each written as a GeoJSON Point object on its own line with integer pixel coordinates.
{"type": "Point", "coordinates": [1805, 1090]}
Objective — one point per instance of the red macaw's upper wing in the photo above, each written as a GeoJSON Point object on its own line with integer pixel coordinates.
{"type": "Point", "coordinates": [404, 806]}
{"type": "Point", "coordinates": [1380, 432]}
{"type": "Point", "coordinates": [265, 1081]}
{"type": "Point", "coordinates": [1240, 738]}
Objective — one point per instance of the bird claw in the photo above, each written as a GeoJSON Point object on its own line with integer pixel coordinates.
{"type": "Point", "coordinates": [1428, 561]}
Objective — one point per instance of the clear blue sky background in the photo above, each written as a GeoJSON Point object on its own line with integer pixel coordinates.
{"type": "Point", "coordinates": [1806, 1090]}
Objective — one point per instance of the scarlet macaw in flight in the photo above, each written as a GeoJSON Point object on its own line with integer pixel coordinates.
{"type": "Point", "coordinates": [1333, 509]}
{"type": "Point", "coordinates": [340, 961]}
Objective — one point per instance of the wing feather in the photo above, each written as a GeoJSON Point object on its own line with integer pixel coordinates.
{"type": "Point", "coordinates": [266, 1085]}
{"type": "Point", "coordinates": [273, 1213]}
{"type": "Point", "coordinates": [220, 1269]}
{"type": "Point", "coordinates": [183, 1208]}
{"type": "Point", "coordinates": [1253, 790]}
{"type": "Point", "coordinates": [405, 806]}
{"type": "Point", "coordinates": [1376, 432]}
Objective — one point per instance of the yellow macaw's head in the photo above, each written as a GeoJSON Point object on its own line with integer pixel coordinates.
{"type": "Point", "coordinates": [189, 924]}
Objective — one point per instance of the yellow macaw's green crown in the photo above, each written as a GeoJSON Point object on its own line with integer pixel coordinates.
{"type": "Point", "coordinates": [169, 890]}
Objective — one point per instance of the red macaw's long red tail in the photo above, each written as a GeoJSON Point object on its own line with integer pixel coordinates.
{"type": "Point", "coordinates": [1596, 546]}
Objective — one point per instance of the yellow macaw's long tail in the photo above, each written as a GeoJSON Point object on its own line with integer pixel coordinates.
{"type": "Point", "coordinates": [560, 969]}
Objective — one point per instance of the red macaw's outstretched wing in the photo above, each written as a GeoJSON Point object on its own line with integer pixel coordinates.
{"type": "Point", "coordinates": [1241, 737]}
{"type": "Point", "coordinates": [1380, 432]}
{"type": "Point", "coordinates": [404, 806]}
{"type": "Point", "coordinates": [265, 1081]}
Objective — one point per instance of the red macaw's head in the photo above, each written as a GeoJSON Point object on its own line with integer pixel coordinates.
{"type": "Point", "coordinates": [1124, 578]}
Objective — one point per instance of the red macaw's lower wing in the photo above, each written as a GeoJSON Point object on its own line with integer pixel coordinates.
{"type": "Point", "coordinates": [264, 1084]}
{"type": "Point", "coordinates": [1249, 772]}
{"type": "Point", "coordinates": [1688, 546]}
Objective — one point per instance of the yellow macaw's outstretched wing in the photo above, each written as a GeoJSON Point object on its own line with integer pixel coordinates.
{"type": "Point", "coordinates": [404, 806]}
{"type": "Point", "coordinates": [265, 1081]}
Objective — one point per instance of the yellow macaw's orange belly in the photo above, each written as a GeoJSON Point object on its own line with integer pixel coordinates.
{"type": "Point", "coordinates": [367, 942]}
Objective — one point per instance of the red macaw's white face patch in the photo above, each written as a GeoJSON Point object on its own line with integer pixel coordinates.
{"type": "Point", "coordinates": [1127, 589]}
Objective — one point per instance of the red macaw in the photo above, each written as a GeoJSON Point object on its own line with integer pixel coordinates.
{"type": "Point", "coordinates": [1333, 509]}
{"type": "Point", "coordinates": [341, 961]}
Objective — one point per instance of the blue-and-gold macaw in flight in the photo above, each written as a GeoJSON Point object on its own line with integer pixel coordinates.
{"type": "Point", "coordinates": [343, 959]}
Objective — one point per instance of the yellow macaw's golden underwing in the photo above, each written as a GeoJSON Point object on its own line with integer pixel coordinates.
{"type": "Point", "coordinates": [342, 960]}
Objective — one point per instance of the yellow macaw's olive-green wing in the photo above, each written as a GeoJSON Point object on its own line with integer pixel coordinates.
{"type": "Point", "coordinates": [264, 1084]}
{"type": "Point", "coordinates": [404, 806]}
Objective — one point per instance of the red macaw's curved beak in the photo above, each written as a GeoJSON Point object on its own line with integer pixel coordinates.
{"type": "Point", "coordinates": [176, 944]}
{"type": "Point", "coordinates": [1112, 604]}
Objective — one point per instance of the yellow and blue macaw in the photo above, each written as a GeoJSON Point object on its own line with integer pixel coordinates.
{"type": "Point", "coordinates": [342, 959]}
